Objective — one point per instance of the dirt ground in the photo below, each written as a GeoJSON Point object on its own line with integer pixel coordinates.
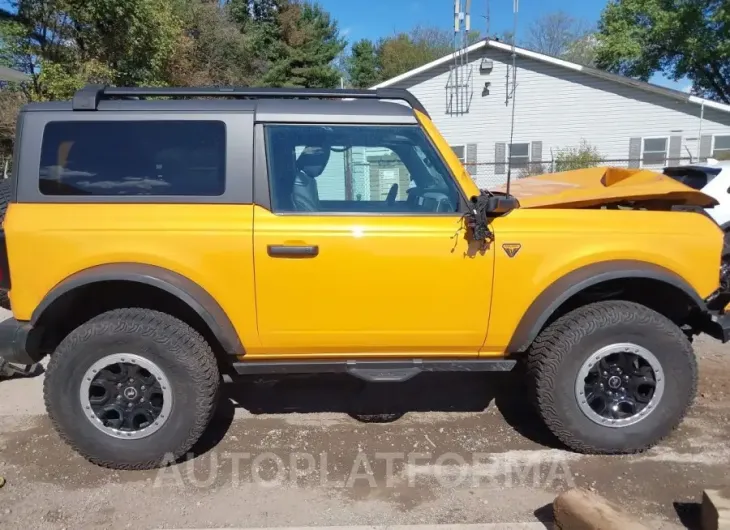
{"type": "Point", "coordinates": [459, 448]}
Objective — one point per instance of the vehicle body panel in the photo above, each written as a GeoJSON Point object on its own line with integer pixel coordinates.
{"type": "Point", "coordinates": [718, 187]}
{"type": "Point", "coordinates": [555, 242]}
{"type": "Point", "coordinates": [591, 187]}
{"type": "Point", "coordinates": [379, 284]}
{"type": "Point", "coordinates": [212, 245]}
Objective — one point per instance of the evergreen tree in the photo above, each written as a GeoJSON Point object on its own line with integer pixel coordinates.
{"type": "Point", "coordinates": [362, 66]}
{"type": "Point", "coordinates": [304, 44]}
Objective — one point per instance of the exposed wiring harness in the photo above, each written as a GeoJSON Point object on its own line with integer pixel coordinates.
{"type": "Point", "coordinates": [477, 219]}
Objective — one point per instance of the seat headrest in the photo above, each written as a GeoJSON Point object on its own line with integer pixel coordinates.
{"type": "Point", "coordinates": [313, 160]}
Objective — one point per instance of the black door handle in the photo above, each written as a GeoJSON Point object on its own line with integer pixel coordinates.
{"type": "Point", "coordinates": [292, 251]}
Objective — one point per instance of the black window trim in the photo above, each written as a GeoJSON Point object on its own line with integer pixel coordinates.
{"type": "Point", "coordinates": [262, 193]}
{"type": "Point", "coordinates": [238, 171]}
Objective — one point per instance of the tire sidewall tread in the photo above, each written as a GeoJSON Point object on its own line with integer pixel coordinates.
{"type": "Point", "coordinates": [556, 356]}
{"type": "Point", "coordinates": [181, 352]}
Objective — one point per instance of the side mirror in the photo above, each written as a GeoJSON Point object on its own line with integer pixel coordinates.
{"type": "Point", "coordinates": [501, 204]}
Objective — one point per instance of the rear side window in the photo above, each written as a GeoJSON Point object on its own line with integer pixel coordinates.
{"type": "Point", "coordinates": [113, 158]}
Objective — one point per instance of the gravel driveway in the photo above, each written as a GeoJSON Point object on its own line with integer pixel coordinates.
{"type": "Point", "coordinates": [456, 448]}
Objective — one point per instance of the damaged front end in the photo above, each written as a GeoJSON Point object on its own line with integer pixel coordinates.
{"type": "Point", "coordinates": [717, 317]}
{"type": "Point", "coordinates": [607, 187]}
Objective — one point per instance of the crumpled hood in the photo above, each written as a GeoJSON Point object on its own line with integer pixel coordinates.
{"type": "Point", "coordinates": [596, 186]}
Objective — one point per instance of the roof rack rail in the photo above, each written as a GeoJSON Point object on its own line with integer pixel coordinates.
{"type": "Point", "coordinates": [88, 97]}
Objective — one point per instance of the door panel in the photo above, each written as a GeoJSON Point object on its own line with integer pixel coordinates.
{"type": "Point", "coordinates": [392, 285]}
{"type": "Point", "coordinates": [357, 247]}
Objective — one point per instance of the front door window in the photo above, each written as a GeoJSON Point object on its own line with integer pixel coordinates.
{"type": "Point", "coordinates": [357, 169]}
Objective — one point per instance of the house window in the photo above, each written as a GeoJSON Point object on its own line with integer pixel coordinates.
{"type": "Point", "coordinates": [519, 155]}
{"type": "Point", "coordinates": [721, 149]}
{"type": "Point", "coordinates": [655, 151]}
{"type": "Point", "coordinates": [459, 152]}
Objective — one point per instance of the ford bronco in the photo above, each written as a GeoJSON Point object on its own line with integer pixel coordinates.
{"type": "Point", "coordinates": [160, 240]}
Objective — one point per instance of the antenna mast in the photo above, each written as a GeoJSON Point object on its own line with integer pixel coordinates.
{"type": "Point", "coordinates": [459, 84]}
{"type": "Point", "coordinates": [515, 9]}
{"type": "Point", "coordinates": [487, 18]}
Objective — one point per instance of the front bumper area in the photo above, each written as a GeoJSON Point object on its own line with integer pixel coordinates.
{"type": "Point", "coordinates": [718, 327]}
{"type": "Point", "coordinates": [15, 339]}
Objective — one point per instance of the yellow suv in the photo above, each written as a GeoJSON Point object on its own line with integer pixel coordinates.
{"type": "Point", "coordinates": [157, 239]}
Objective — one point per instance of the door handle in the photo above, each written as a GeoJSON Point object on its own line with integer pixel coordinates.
{"type": "Point", "coordinates": [293, 251]}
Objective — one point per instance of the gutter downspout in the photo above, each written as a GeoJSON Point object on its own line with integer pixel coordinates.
{"type": "Point", "coordinates": [699, 136]}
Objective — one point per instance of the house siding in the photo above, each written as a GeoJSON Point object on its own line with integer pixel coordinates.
{"type": "Point", "coordinates": [560, 108]}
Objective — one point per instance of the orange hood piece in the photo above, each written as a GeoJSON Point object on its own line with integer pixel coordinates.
{"type": "Point", "coordinates": [584, 188]}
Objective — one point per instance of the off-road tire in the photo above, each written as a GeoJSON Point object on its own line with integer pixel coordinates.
{"type": "Point", "coordinates": [555, 358]}
{"type": "Point", "coordinates": [179, 350]}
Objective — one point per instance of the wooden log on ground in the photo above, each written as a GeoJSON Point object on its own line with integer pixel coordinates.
{"type": "Point", "coordinates": [579, 509]}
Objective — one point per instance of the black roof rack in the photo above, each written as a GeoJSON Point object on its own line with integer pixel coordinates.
{"type": "Point", "coordinates": [88, 97]}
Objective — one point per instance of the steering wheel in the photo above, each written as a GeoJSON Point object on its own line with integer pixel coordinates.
{"type": "Point", "coordinates": [392, 193]}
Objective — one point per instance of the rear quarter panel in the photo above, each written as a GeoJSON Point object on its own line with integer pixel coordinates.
{"type": "Point", "coordinates": [211, 245]}
{"type": "Point", "coordinates": [556, 242]}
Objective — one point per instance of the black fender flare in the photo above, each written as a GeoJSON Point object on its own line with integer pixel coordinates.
{"type": "Point", "coordinates": [557, 293]}
{"type": "Point", "coordinates": [186, 290]}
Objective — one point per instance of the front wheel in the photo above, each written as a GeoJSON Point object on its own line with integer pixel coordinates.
{"type": "Point", "coordinates": [612, 377]}
{"type": "Point", "coordinates": [132, 388]}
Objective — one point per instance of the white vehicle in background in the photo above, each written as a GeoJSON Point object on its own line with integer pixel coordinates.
{"type": "Point", "coordinates": [712, 178]}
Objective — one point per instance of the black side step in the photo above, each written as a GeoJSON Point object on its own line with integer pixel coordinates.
{"type": "Point", "coordinates": [375, 371]}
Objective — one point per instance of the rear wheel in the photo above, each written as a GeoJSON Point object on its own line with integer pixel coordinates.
{"type": "Point", "coordinates": [612, 377]}
{"type": "Point", "coordinates": [132, 388]}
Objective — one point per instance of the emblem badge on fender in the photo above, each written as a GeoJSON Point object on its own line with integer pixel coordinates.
{"type": "Point", "coordinates": [511, 249]}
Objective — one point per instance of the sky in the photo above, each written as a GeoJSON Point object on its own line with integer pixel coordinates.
{"type": "Point", "coordinates": [371, 19]}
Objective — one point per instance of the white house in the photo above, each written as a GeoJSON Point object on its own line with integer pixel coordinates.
{"type": "Point", "coordinates": [557, 105]}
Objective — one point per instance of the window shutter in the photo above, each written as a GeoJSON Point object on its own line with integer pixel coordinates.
{"type": "Point", "coordinates": [500, 158]}
{"type": "Point", "coordinates": [675, 150]}
{"type": "Point", "coordinates": [536, 152]}
{"type": "Point", "coordinates": [471, 159]}
{"type": "Point", "coordinates": [458, 151]}
{"type": "Point", "coordinates": [705, 147]}
{"type": "Point", "coordinates": [635, 152]}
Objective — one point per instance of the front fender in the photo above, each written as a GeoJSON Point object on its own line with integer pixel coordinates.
{"type": "Point", "coordinates": [560, 291]}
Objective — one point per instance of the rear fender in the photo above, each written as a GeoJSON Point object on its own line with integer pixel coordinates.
{"type": "Point", "coordinates": [189, 292]}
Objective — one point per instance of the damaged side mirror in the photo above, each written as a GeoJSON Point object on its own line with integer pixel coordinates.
{"type": "Point", "coordinates": [500, 204]}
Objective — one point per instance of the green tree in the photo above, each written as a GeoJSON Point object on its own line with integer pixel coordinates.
{"type": "Point", "coordinates": [405, 51]}
{"type": "Point", "coordinates": [362, 65]}
{"type": "Point", "coordinates": [216, 47]}
{"type": "Point", "coordinates": [582, 156]}
{"type": "Point", "coordinates": [678, 38]}
{"type": "Point", "coordinates": [10, 102]}
{"type": "Point", "coordinates": [582, 50]}
{"type": "Point", "coordinates": [63, 44]}
{"type": "Point", "coordinates": [302, 47]}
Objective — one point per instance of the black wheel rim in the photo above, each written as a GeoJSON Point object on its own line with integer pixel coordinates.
{"type": "Point", "coordinates": [619, 385]}
{"type": "Point", "coordinates": [126, 396]}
